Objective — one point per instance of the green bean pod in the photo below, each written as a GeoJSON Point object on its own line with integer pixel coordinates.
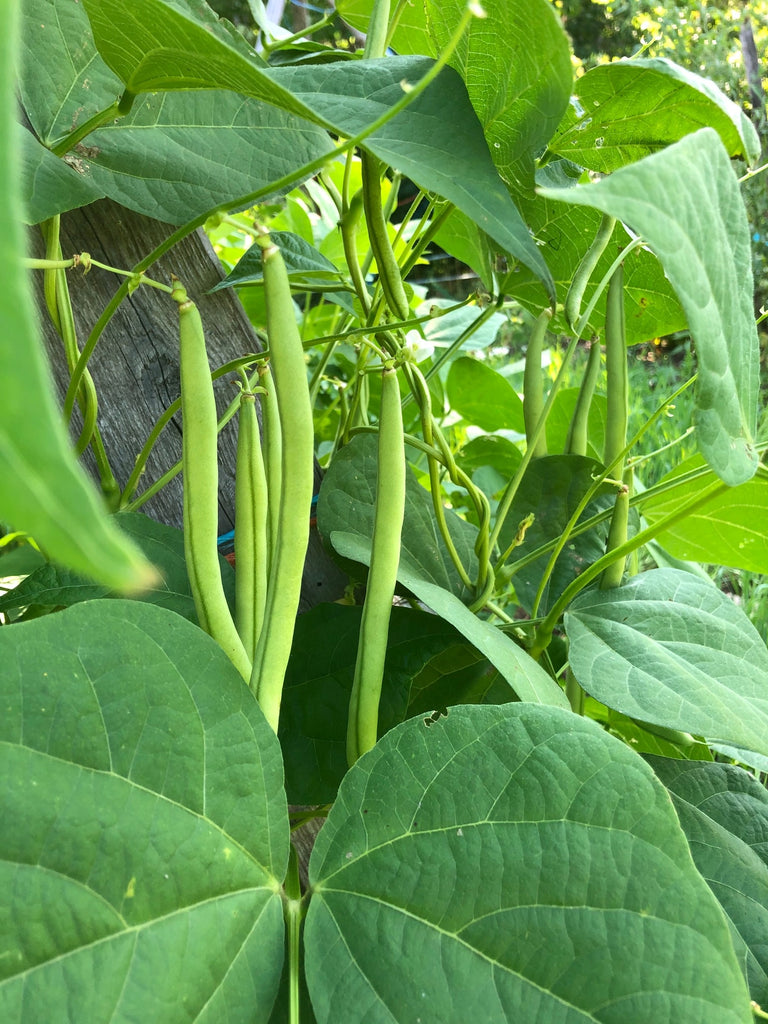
{"type": "Point", "coordinates": [389, 272]}
{"type": "Point", "coordinates": [201, 485]}
{"type": "Point", "coordinates": [616, 423]}
{"type": "Point", "coordinates": [297, 468]}
{"type": "Point", "coordinates": [578, 431]}
{"type": "Point", "coordinates": [252, 528]}
{"type": "Point", "coordinates": [362, 729]}
{"type": "Point", "coordinates": [272, 447]}
{"type": "Point", "coordinates": [585, 269]}
{"type": "Point", "coordinates": [533, 385]}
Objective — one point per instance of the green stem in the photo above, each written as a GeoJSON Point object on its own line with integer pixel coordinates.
{"type": "Point", "coordinates": [101, 118]}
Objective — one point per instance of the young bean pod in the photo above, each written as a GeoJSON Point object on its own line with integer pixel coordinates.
{"type": "Point", "coordinates": [201, 485]}
{"type": "Point", "coordinates": [578, 432]}
{"type": "Point", "coordinates": [533, 385]}
{"type": "Point", "coordinates": [362, 729]}
{"type": "Point", "coordinates": [616, 423]}
{"type": "Point", "coordinates": [297, 468]}
{"type": "Point", "coordinates": [389, 272]}
{"type": "Point", "coordinates": [585, 269]}
{"type": "Point", "coordinates": [252, 534]}
{"type": "Point", "coordinates": [272, 447]}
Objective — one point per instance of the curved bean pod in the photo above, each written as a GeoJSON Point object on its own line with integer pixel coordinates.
{"type": "Point", "coordinates": [389, 272]}
{"type": "Point", "coordinates": [533, 385]}
{"type": "Point", "coordinates": [585, 269]}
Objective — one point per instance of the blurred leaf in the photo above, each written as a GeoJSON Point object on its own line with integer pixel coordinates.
{"type": "Point", "coordinates": [42, 490]}
{"type": "Point", "coordinates": [301, 259]}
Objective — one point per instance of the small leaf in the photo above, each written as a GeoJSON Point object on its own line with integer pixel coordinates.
{"type": "Point", "coordinates": [685, 202]}
{"type": "Point", "coordinates": [551, 489]}
{"type": "Point", "coordinates": [150, 823]}
{"type": "Point", "coordinates": [724, 814]}
{"type": "Point", "coordinates": [670, 649]}
{"type": "Point", "coordinates": [512, 863]}
{"type": "Point", "coordinates": [632, 108]}
{"type": "Point", "coordinates": [301, 259]}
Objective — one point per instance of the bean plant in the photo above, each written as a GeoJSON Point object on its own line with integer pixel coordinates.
{"type": "Point", "coordinates": [540, 770]}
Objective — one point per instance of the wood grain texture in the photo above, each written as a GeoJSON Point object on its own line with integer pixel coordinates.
{"type": "Point", "coordinates": [136, 365]}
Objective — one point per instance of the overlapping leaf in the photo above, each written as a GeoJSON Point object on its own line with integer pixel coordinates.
{"type": "Point", "coordinates": [670, 649]}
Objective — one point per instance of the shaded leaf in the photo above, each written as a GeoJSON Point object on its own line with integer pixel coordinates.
{"type": "Point", "coordinates": [301, 260]}
{"type": "Point", "coordinates": [670, 649]}
{"type": "Point", "coordinates": [150, 824]}
{"type": "Point", "coordinates": [685, 201]}
{"type": "Point", "coordinates": [552, 488]}
{"type": "Point", "coordinates": [632, 108]}
{"type": "Point", "coordinates": [313, 713]}
{"type": "Point", "coordinates": [49, 185]}
{"type": "Point", "coordinates": [512, 863]}
{"type": "Point", "coordinates": [724, 814]}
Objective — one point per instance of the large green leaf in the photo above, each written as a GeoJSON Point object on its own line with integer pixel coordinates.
{"type": "Point", "coordinates": [685, 202]}
{"type": "Point", "coordinates": [731, 529]}
{"type": "Point", "coordinates": [724, 813]}
{"type": "Point", "coordinates": [632, 108]}
{"type": "Point", "coordinates": [62, 79]}
{"type": "Point", "coordinates": [176, 156]}
{"type": "Point", "coordinates": [672, 650]}
{"type": "Point", "coordinates": [512, 863]}
{"type": "Point", "coordinates": [516, 62]}
{"type": "Point", "coordinates": [162, 45]}
{"type": "Point", "coordinates": [318, 684]}
{"type": "Point", "coordinates": [42, 490]}
{"type": "Point", "coordinates": [483, 397]}
{"type": "Point", "coordinates": [150, 834]}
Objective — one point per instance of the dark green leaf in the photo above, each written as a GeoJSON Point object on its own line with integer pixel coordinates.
{"type": "Point", "coordinates": [50, 185]}
{"type": "Point", "coordinates": [150, 826]}
{"type": "Point", "coordinates": [313, 714]}
{"type": "Point", "coordinates": [724, 813]}
{"type": "Point", "coordinates": [512, 864]}
{"type": "Point", "coordinates": [550, 490]}
{"type": "Point", "coordinates": [670, 649]}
